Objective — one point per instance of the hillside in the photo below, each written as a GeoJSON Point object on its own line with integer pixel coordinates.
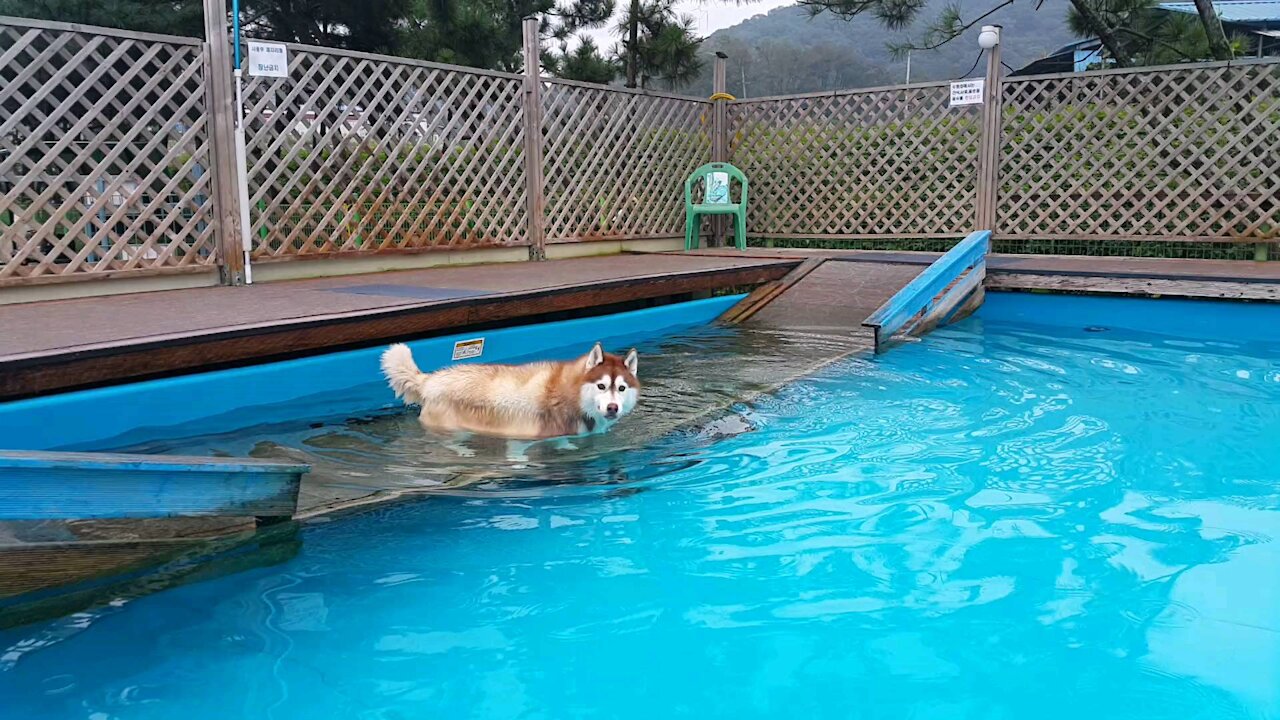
{"type": "Point", "coordinates": [787, 51]}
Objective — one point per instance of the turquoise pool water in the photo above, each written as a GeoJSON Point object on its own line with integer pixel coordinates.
{"type": "Point", "coordinates": [1004, 521]}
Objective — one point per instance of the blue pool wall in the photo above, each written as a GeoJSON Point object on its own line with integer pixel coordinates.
{"type": "Point", "coordinates": [1201, 320]}
{"type": "Point", "coordinates": [324, 386]}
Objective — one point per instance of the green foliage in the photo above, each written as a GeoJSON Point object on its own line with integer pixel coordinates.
{"type": "Point", "coordinates": [173, 17]}
{"type": "Point", "coordinates": [1149, 35]}
{"type": "Point", "coordinates": [585, 63]}
{"type": "Point", "coordinates": [666, 48]}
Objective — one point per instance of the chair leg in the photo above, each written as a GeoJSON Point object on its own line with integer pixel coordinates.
{"type": "Point", "coordinates": [688, 231]}
{"type": "Point", "coordinates": [740, 230]}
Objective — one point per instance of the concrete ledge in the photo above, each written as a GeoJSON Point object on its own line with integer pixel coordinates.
{"type": "Point", "coordinates": [117, 286]}
{"type": "Point", "coordinates": [361, 265]}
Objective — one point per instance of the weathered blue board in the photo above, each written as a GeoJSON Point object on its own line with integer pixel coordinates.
{"type": "Point", "coordinates": [63, 486]}
{"type": "Point", "coordinates": [922, 302]}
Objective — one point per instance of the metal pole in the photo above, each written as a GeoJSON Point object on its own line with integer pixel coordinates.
{"type": "Point", "coordinates": [989, 143]}
{"type": "Point", "coordinates": [908, 67]}
{"type": "Point", "coordinates": [719, 133]}
{"type": "Point", "coordinates": [535, 203]}
{"type": "Point", "coordinates": [226, 172]}
{"type": "Point", "coordinates": [242, 159]}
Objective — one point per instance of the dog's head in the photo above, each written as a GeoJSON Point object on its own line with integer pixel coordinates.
{"type": "Point", "coordinates": [609, 388]}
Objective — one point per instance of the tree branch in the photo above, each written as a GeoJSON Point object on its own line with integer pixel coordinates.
{"type": "Point", "coordinates": [1218, 44]}
{"type": "Point", "coordinates": [1156, 41]}
{"type": "Point", "coordinates": [1106, 35]}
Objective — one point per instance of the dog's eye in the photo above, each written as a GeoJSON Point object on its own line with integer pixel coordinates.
{"type": "Point", "coordinates": [600, 386]}
{"type": "Point", "coordinates": [622, 388]}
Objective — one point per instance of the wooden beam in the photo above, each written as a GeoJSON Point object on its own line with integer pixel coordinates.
{"type": "Point", "coordinates": [767, 293]}
{"type": "Point", "coordinates": [535, 200]}
{"type": "Point", "coordinates": [226, 171]}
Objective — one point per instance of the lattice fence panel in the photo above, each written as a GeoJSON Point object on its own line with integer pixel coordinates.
{"type": "Point", "coordinates": [1169, 154]}
{"type": "Point", "coordinates": [355, 153]}
{"type": "Point", "coordinates": [614, 162]}
{"type": "Point", "coordinates": [104, 154]}
{"type": "Point", "coordinates": [883, 163]}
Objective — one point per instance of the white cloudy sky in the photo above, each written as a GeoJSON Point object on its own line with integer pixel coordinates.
{"type": "Point", "coordinates": [709, 16]}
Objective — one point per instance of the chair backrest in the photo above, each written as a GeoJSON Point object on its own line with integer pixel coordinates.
{"type": "Point", "coordinates": [716, 177]}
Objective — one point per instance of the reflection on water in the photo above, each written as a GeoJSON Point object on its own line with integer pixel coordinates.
{"type": "Point", "coordinates": [998, 522]}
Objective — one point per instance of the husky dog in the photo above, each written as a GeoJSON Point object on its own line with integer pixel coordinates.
{"type": "Point", "coordinates": [522, 402]}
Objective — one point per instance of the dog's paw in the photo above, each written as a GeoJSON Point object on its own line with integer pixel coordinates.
{"type": "Point", "coordinates": [461, 450]}
{"type": "Point", "coordinates": [565, 444]}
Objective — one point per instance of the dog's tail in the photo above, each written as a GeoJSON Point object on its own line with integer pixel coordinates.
{"type": "Point", "coordinates": [402, 373]}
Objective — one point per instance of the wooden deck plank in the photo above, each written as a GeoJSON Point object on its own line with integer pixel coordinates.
{"type": "Point", "coordinates": [68, 344]}
{"type": "Point", "coordinates": [834, 300]}
{"type": "Point", "coordinates": [1243, 271]}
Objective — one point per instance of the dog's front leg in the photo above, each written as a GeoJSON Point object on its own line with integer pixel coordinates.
{"type": "Point", "coordinates": [517, 449]}
{"type": "Point", "coordinates": [457, 443]}
{"type": "Point", "coordinates": [565, 443]}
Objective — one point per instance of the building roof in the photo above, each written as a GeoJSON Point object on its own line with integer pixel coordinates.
{"type": "Point", "coordinates": [1235, 11]}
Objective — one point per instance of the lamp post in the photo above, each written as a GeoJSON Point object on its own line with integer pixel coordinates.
{"type": "Point", "coordinates": [989, 145]}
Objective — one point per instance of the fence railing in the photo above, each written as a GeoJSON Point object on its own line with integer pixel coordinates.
{"type": "Point", "coordinates": [613, 161]}
{"type": "Point", "coordinates": [1181, 153]}
{"type": "Point", "coordinates": [886, 162]}
{"type": "Point", "coordinates": [355, 153]}
{"type": "Point", "coordinates": [108, 167]}
{"type": "Point", "coordinates": [104, 154]}
{"type": "Point", "coordinates": [1174, 153]}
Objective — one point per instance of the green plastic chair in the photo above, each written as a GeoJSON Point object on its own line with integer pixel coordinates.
{"type": "Point", "coordinates": [716, 201]}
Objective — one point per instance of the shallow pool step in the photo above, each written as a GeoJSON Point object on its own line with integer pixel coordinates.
{"type": "Point", "coordinates": [75, 486]}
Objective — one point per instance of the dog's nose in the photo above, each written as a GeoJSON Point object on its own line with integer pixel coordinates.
{"type": "Point", "coordinates": [611, 409]}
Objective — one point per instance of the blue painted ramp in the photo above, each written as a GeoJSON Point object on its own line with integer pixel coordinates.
{"type": "Point", "coordinates": [72, 485]}
{"type": "Point", "coordinates": [947, 290]}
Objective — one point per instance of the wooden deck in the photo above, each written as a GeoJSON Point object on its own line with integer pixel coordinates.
{"type": "Point", "coordinates": [1204, 279]}
{"type": "Point", "coordinates": [68, 344]}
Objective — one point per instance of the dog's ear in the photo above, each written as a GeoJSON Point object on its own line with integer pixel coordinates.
{"type": "Point", "coordinates": [595, 357]}
{"type": "Point", "coordinates": [633, 360]}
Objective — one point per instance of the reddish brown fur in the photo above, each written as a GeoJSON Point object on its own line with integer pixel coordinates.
{"type": "Point", "coordinates": [562, 412]}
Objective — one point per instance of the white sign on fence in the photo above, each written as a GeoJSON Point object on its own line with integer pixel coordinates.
{"type": "Point", "coordinates": [268, 59]}
{"type": "Point", "coordinates": [967, 92]}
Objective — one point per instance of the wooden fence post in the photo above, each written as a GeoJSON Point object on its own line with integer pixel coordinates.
{"type": "Point", "coordinates": [535, 201]}
{"type": "Point", "coordinates": [989, 142]}
{"type": "Point", "coordinates": [719, 138]}
{"type": "Point", "coordinates": [220, 99]}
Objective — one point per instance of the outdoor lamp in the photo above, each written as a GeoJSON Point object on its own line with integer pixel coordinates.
{"type": "Point", "coordinates": [989, 37]}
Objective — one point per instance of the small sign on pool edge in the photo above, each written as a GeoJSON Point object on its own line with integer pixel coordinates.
{"type": "Point", "coordinates": [967, 92]}
{"type": "Point", "coordinates": [468, 349]}
{"type": "Point", "coordinates": [268, 59]}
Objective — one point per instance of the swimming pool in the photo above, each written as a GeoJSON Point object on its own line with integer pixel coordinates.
{"type": "Point", "coordinates": [1032, 513]}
